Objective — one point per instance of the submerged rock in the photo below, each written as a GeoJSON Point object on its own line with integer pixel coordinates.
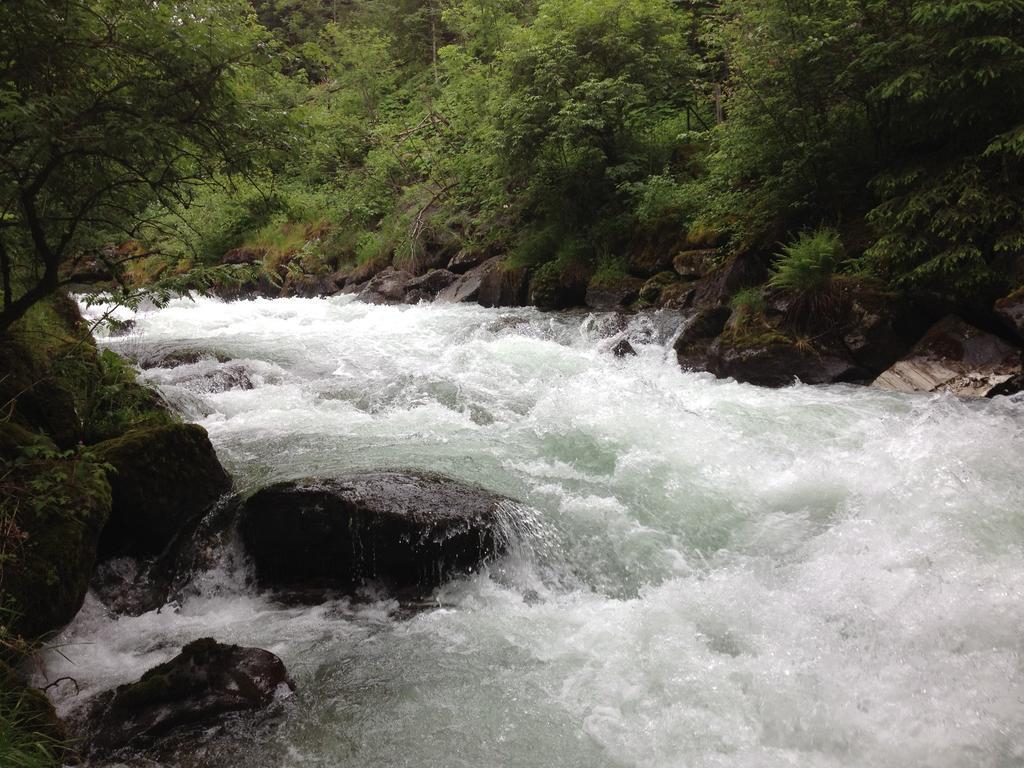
{"type": "Point", "coordinates": [957, 358]}
{"type": "Point", "coordinates": [196, 688]}
{"type": "Point", "coordinates": [623, 348]}
{"type": "Point", "coordinates": [163, 478]}
{"type": "Point", "coordinates": [406, 531]}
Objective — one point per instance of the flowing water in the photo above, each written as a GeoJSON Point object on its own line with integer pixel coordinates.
{"type": "Point", "coordinates": [717, 574]}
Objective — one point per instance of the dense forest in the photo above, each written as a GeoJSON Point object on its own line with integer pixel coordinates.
{"type": "Point", "coordinates": [874, 140]}
{"type": "Point", "coordinates": [827, 178]}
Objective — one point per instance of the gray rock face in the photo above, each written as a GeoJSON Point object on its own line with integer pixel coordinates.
{"type": "Point", "coordinates": [206, 681]}
{"type": "Point", "coordinates": [779, 364]}
{"type": "Point", "coordinates": [387, 287]}
{"type": "Point", "coordinates": [958, 358]}
{"type": "Point", "coordinates": [426, 287]}
{"type": "Point", "coordinates": [406, 531]}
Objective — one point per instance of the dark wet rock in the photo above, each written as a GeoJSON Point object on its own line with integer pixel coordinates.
{"type": "Point", "coordinates": [386, 287]}
{"type": "Point", "coordinates": [501, 286]}
{"type": "Point", "coordinates": [1010, 311]}
{"type": "Point", "coordinates": [132, 586]}
{"type": "Point", "coordinates": [957, 358]}
{"type": "Point", "coordinates": [173, 358]}
{"type": "Point", "coordinates": [193, 691]}
{"type": "Point", "coordinates": [652, 290]}
{"type": "Point", "coordinates": [426, 287]}
{"type": "Point", "coordinates": [694, 264]}
{"type": "Point", "coordinates": [879, 328]}
{"type": "Point", "coordinates": [489, 284]}
{"type": "Point", "coordinates": [309, 286]}
{"type": "Point", "coordinates": [61, 505]}
{"type": "Point", "coordinates": [554, 287]}
{"type": "Point", "coordinates": [406, 531]}
{"type": "Point", "coordinates": [623, 348]}
{"type": "Point", "coordinates": [777, 362]}
{"type": "Point", "coordinates": [616, 292]}
{"type": "Point", "coordinates": [694, 341]}
{"type": "Point", "coordinates": [465, 260]}
{"type": "Point", "coordinates": [163, 477]}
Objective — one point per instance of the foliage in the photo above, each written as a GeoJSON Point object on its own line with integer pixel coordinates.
{"type": "Point", "coordinates": [25, 741]}
{"type": "Point", "coordinates": [110, 106]}
{"type": "Point", "coordinates": [748, 308]}
{"type": "Point", "coordinates": [806, 266]}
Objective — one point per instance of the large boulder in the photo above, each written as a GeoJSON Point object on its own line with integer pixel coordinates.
{"type": "Point", "coordinates": [777, 362]}
{"type": "Point", "coordinates": [718, 287]}
{"type": "Point", "coordinates": [694, 341]}
{"type": "Point", "coordinates": [194, 690]}
{"type": "Point", "coordinates": [501, 286]}
{"type": "Point", "coordinates": [406, 531]}
{"type": "Point", "coordinates": [880, 327]}
{"type": "Point", "coordinates": [163, 477]}
{"type": "Point", "coordinates": [57, 508]}
{"type": "Point", "coordinates": [957, 358]}
{"type": "Point", "coordinates": [612, 292]}
{"type": "Point", "coordinates": [427, 286]}
{"type": "Point", "coordinates": [465, 260]}
{"type": "Point", "coordinates": [386, 287]}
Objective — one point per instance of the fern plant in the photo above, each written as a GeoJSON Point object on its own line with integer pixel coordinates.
{"type": "Point", "coordinates": [805, 273]}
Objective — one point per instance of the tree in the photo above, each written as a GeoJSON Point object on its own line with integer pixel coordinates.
{"type": "Point", "coordinates": [107, 108]}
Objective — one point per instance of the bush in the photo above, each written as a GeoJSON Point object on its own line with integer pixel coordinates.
{"type": "Point", "coordinates": [806, 266]}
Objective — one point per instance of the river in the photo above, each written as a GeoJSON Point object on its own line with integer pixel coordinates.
{"type": "Point", "coordinates": [716, 574]}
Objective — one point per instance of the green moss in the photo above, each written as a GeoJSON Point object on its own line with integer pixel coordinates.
{"type": "Point", "coordinates": [53, 508]}
{"type": "Point", "coordinates": [118, 403]}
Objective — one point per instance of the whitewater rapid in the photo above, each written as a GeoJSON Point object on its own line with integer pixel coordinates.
{"type": "Point", "coordinates": [720, 575]}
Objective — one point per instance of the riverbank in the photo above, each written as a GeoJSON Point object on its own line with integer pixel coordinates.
{"type": "Point", "coordinates": [740, 326]}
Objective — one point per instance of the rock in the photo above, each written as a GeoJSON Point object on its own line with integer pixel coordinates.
{"type": "Point", "coordinates": [163, 477]}
{"type": "Point", "coordinates": [465, 260]}
{"type": "Point", "coordinates": [1010, 310]}
{"type": "Point", "coordinates": [132, 586]}
{"type": "Point", "coordinates": [490, 285]}
{"type": "Point", "coordinates": [610, 293]}
{"type": "Point", "coordinates": [387, 287]}
{"type": "Point", "coordinates": [407, 531]}
{"type": "Point", "coordinates": [60, 507]}
{"type": "Point", "coordinates": [502, 287]}
{"type": "Point", "coordinates": [694, 341]}
{"type": "Point", "coordinates": [772, 360]}
{"type": "Point", "coordinates": [163, 358]}
{"type": "Point", "coordinates": [426, 287]}
{"type": "Point", "coordinates": [466, 288]}
{"type": "Point", "coordinates": [957, 358]}
{"type": "Point", "coordinates": [717, 288]}
{"type": "Point", "coordinates": [194, 690]}
{"type": "Point", "coordinates": [879, 328]}
{"type": "Point", "coordinates": [695, 264]}
{"type": "Point", "coordinates": [554, 287]}
{"type": "Point", "coordinates": [651, 291]}
{"type": "Point", "coordinates": [623, 348]}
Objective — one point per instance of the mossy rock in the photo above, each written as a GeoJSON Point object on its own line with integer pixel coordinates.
{"type": "Point", "coordinates": [612, 290]}
{"type": "Point", "coordinates": [118, 403]}
{"type": "Point", "coordinates": [15, 439]}
{"type": "Point", "coordinates": [162, 477]}
{"type": "Point", "coordinates": [552, 287]}
{"type": "Point", "coordinates": [59, 505]}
